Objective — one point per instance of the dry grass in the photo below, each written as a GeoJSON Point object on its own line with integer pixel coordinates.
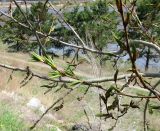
{"type": "Point", "coordinates": [73, 110]}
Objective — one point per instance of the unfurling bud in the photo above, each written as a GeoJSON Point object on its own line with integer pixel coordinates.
{"type": "Point", "coordinates": [119, 6]}
{"type": "Point", "coordinates": [126, 22]}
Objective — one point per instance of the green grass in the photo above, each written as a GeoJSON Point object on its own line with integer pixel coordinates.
{"type": "Point", "coordinates": [9, 121]}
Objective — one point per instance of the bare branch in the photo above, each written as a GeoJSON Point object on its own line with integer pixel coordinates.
{"type": "Point", "coordinates": [98, 80]}
{"type": "Point", "coordinates": [87, 82]}
{"type": "Point", "coordinates": [145, 43]}
{"type": "Point", "coordinates": [122, 77]}
{"type": "Point", "coordinates": [72, 29]}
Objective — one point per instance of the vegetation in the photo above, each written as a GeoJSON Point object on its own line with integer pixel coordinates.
{"type": "Point", "coordinates": [87, 28]}
{"type": "Point", "coordinates": [9, 121]}
{"type": "Point", "coordinates": [90, 22]}
{"type": "Point", "coordinates": [21, 39]}
{"type": "Point", "coordinates": [149, 15]}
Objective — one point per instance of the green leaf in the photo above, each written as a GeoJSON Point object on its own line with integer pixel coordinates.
{"type": "Point", "coordinates": [75, 83]}
{"type": "Point", "coordinates": [120, 43]}
{"type": "Point", "coordinates": [37, 58]}
{"type": "Point", "coordinates": [69, 70]}
{"type": "Point", "coordinates": [134, 53]}
{"type": "Point", "coordinates": [127, 19]}
{"type": "Point", "coordinates": [48, 60]}
{"type": "Point", "coordinates": [115, 76]}
{"type": "Point", "coordinates": [134, 49]}
{"type": "Point", "coordinates": [109, 92]}
{"type": "Point", "coordinates": [155, 107]}
{"type": "Point", "coordinates": [150, 111]}
{"type": "Point", "coordinates": [55, 74]}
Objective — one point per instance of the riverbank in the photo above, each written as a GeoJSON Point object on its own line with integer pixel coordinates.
{"type": "Point", "coordinates": [10, 85]}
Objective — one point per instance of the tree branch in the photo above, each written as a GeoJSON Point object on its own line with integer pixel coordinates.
{"type": "Point", "coordinates": [62, 42]}
{"type": "Point", "coordinates": [98, 80]}
{"type": "Point", "coordinates": [145, 43]}
{"type": "Point", "coordinates": [52, 106]}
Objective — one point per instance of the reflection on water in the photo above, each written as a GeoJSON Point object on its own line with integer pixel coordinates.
{"type": "Point", "coordinates": [154, 62]}
{"type": "Point", "coordinates": [67, 51]}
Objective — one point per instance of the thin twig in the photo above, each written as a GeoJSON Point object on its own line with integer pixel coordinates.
{"type": "Point", "coordinates": [52, 106]}
{"type": "Point", "coordinates": [146, 106]}
{"type": "Point", "coordinates": [88, 121]}
{"type": "Point", "coordinates": [98, 80]}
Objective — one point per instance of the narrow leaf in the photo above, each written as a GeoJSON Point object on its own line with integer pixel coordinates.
{"type": "Point", "coordinates": [120, 43]}
{"type": "Point", "coordinates": [115, 76]}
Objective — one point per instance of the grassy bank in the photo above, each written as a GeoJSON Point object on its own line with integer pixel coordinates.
{"type": "Point", "coordinates": [73, 111]}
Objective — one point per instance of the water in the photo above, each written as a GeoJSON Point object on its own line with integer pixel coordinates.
{"type": "Point", "coordinates": [154, 63]}
{"type": "Point", "coordinates": [67, 51]}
